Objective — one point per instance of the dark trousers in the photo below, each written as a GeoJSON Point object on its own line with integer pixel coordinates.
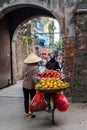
{"type": "Point", "coordinates": [28, 93]}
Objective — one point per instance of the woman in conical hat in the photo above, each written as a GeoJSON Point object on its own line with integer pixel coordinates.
{"type": "Point", "coordinates": [32, 58]}
{"type": "Point", "coordinates": [30, 73]}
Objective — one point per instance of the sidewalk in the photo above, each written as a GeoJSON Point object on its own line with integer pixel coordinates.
{"type": "Point", "coordinates": [12, 114]}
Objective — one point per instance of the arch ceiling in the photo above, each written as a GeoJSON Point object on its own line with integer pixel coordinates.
{"type": "Point", "coordinates": [18, 15]}
{"type": "Point", "coordinates": [18, 11]}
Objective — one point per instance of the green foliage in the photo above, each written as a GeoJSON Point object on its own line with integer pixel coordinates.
{"type": "Point", "coordinates": [24, 39]}
{"type": "Point", "coordinates": [27, 39]}
{"type": "Point", "coordinates": [59, 45]}
{"type": "Point", "coordinates": [51, 28]}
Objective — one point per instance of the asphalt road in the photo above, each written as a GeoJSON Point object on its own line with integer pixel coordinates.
{"type": "Point", "coordinates": [12, 114]}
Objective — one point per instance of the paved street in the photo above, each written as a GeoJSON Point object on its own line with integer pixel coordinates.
{"type": "Point", "coordinates": [12, 114]}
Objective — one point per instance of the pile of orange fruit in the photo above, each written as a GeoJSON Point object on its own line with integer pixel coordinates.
{"type": "Point", "coordinates": [51, 83]}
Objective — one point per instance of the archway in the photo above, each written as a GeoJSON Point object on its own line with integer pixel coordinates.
{"type": "Point", "coordinates": [14, 16]}
{"type": "Point", "coordinates": [46, 42]}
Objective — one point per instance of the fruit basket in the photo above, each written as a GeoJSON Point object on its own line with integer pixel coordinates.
{"type": "Point", "coordinates": [51, 84]}
{"type": "Point", "coordinates": [51, 90]}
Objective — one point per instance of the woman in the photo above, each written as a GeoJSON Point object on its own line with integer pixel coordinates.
{"type": "Point", "coordinates": [30, 73]}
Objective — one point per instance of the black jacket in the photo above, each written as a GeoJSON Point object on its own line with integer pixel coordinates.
{"type": "Point", "coordinates": [52, 64]}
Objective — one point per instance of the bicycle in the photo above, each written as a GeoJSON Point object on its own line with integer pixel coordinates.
{"type": "Point", "coordinates": [52, 101]}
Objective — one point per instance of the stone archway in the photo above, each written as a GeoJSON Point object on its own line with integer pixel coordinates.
{"type": "Point", "coordinates": [23, 12]}
{"type": "Point", "coordinates": [64, 12]}
{"type": "Point", "coordinates": [13, 21]}
{"type": "Point", "coordinates": [16, 12]}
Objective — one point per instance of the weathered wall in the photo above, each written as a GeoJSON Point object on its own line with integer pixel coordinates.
{"type": "Point", "coordinates": [63, 10]}
{"type": "Point", "coordinates": [5, 59]}
{"type": "Point", "coordinates": [69, 53]}
{"type": "Point", "coordinates": [79, 90]}
{"type": "Point", "coordinates": [20, 51]}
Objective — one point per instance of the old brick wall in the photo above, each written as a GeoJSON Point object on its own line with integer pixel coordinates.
{"type": "Point", "coordinates": [69, 50]}
{"type": "Point", "coordinates": [20, 51]}
{"type": "Point", "coordinates": [79, 91]}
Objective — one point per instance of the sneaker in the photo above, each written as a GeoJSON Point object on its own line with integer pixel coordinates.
{"type": "Point", "coordinates": [26, 114]}
{"type": "Point", "coordinates": [32, 115]}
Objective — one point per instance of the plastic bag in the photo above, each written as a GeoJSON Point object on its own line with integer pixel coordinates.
{"type": "Point", "coordinates": [61, 103]}
{"type": "Point", "coordinates": [37, 103]}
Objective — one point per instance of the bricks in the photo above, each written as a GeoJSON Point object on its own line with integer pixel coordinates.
{"type": "Point", "coordinates": [79, 91]}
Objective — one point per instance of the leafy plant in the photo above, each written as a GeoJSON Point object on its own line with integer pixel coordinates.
{"type": "Point", "coordinates": [27, 39]}
{"type": "Point", "coordinates": [59, 45]}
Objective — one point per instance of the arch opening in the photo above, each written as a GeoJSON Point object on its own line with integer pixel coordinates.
{"type": "Point", "coordinates": [13, 17]}
{"type": "Point", "coordinates": [47, 39]}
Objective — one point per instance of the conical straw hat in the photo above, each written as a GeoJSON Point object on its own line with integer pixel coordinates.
{"type": "Point", "coordinates": [32, 58]}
